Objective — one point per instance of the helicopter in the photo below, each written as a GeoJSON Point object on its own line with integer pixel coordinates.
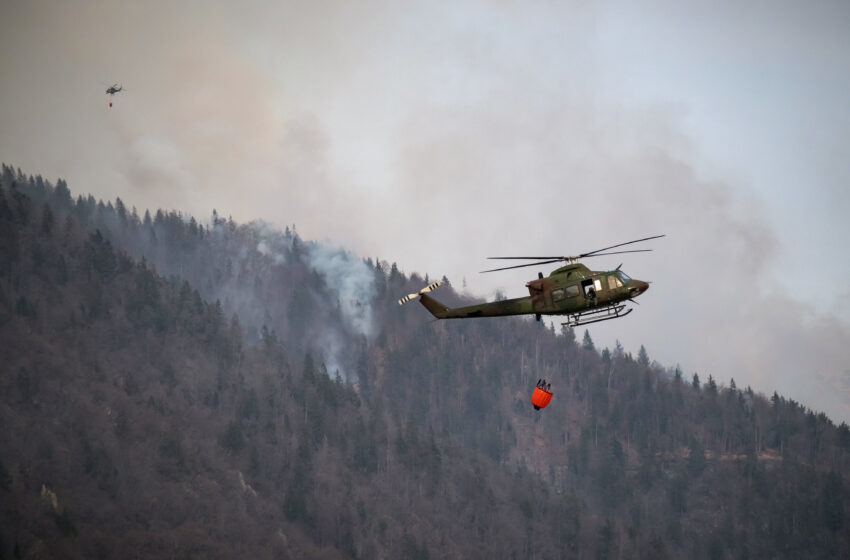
{"type": "Point", "coordinates": [113, 89]}
{"type": "Point", "coordinates": [585, 296]}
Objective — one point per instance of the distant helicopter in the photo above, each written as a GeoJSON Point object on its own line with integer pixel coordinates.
{"type": "Point", "coordinates": [113, 89]}
{"type": "Point", "coordinates": [585, 296]}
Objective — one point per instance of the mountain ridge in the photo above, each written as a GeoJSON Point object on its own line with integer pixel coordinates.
{"type": "Point", "coordinates": [294, 430]}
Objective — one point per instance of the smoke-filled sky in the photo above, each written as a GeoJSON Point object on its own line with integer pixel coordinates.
{"type": "Point", "coordinates": [436, 134]}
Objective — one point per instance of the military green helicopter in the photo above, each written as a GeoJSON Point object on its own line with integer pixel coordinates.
{"type": "Point", "coordinates": [585, 296]}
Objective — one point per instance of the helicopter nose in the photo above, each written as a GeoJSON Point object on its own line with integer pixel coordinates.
{"type": "Point", "coordinates": [639, 287]}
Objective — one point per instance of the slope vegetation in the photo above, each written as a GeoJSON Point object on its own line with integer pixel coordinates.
{"type": "Point", "coordinates": [171, 388]}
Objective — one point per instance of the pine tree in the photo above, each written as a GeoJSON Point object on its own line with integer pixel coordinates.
{"type": "Point", "coordinates": [62, 195]}
{"type": "Point", "coordinates": [569, 334]}
{"type": "Point", "coordinates": [643, 357]}
{"type": "Point", "coordinates": [587, 342]}
{"type": "Point", "coordinates": [102, 258]}
{"type": "Point", "coordinates": [396, 277]}
{"type": "Point", "coordinates": [696, 457]}
{"type": "Point", "coordinates": [711, 386]}
{"type": "Point", "coordinates": [47, 221]}
{"type": "Point", "coordinates": [121, 210]}
{"type": "Point", "coordinates": [677, 374]}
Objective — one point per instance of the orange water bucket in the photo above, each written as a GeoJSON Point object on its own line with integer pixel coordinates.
{"type": "Point", "coordinates": [540, 398]}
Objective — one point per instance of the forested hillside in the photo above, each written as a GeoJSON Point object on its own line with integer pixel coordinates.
{"type": "Point", "coordinates": [205, 389]}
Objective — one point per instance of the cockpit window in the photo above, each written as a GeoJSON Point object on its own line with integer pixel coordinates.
{"type": "Point", "coordinates": [623, 276]}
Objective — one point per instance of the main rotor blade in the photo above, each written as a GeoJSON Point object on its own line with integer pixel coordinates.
{"type": "Point", "coordinates": [618, 253]}
{"type": "Point", "coordinates": [529, 258]}
{"type": "Point", "coordinates": [596, 253]}
{"type": "Point", "coordinates": [522, 265]}
{"type": "Point", "coordinates": [621, 244]}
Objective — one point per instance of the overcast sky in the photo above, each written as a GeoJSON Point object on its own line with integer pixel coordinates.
{"type": "Point", "coordinates": [438, 134]}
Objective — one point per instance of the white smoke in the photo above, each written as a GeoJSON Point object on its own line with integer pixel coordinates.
{"type": "Point", "coordinates": [273, 243]}
{"type": "Point", "coordinates": [348, 279]}
{"type": "Point", "coordinates": [346, 276]}
{"type": "Point", "coordinates": [333, 353]}
{"type": "Point", "coordinates": [351, 280]}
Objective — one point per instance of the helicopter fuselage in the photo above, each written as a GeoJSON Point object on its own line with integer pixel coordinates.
{"type": "Point", "coordinates": [571, 290]}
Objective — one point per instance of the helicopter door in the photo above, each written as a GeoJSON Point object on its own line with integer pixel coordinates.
{"type": "Point", "coordinates": [589, 289]}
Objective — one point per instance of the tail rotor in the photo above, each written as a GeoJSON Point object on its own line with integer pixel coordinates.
{"type": "Point", "coordinates": [430, 287]}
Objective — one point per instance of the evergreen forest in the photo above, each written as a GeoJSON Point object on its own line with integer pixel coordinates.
{"type": "Point", "coordinates": [181, 388]}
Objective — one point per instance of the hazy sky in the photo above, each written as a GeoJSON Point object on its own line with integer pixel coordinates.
{"type": "Point", "coordinates": [438, 134]}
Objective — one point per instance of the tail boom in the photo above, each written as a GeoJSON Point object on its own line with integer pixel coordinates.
{"type": "Point", "coordinates": [518, 306]}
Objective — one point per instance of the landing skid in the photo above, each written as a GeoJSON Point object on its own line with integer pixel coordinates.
{"type": "Point", "coordinates": [596, 315]}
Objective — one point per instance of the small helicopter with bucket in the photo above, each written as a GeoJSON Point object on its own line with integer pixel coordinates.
{"type": "Point", "coordinates": [113, 89]}
{"type": "Point", "coordinates": [585, 296]}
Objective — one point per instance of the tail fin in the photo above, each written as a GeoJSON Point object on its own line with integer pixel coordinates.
{"type": "Point", "coordinates": [436, 308]}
